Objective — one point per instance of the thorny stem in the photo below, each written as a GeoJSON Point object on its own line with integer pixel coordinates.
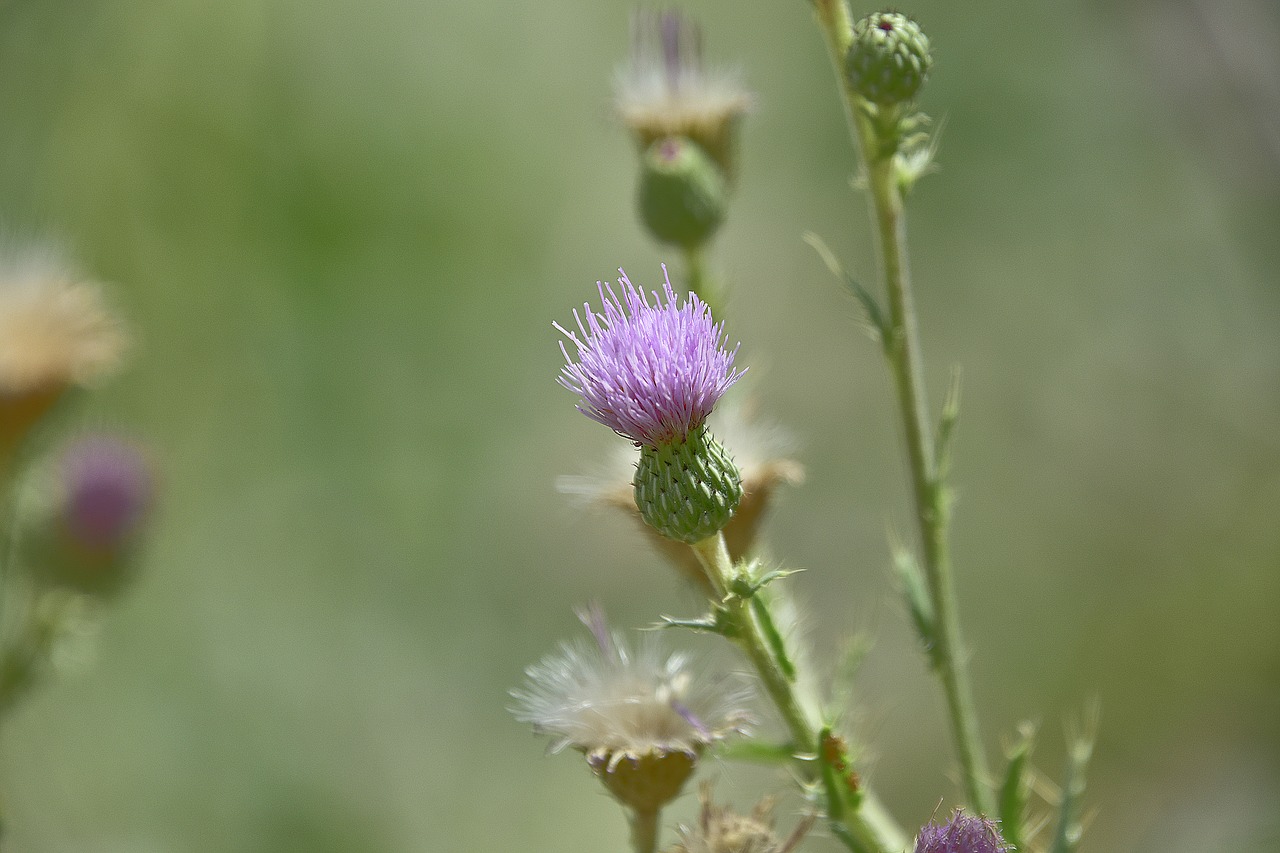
{"type": "Point", "coordinates": [877, 147]}
{"type": "Point", "coordinates": [863, 828]}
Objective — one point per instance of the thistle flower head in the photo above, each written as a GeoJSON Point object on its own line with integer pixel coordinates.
{"type": "Point", "coordinates": [54, 332]}
{"type": "Point", "coordinates": [665, 91]}
{"type": "Point", "coordinates": [616, 703]}
{"type": "Point", "coordinates": [641, 717]}
{"type": "Point", "coordinates": [107, 488]}
{"type": "Point", "coordinates": [651, 372]}
{"type": "Point", "coordinates": [54, 329]}
{"type": "Point", "coordinates": [963, 833]}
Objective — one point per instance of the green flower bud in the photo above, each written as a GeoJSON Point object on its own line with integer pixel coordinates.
{"type": "Point", "coordinates": [687, 490]}
{"type": "Point", "coordinates": [683, 193]}
{"type": "Point", "coordinates": [889, 58]}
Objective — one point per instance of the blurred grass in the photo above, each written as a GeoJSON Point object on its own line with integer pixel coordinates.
{"type": "Point", "coordinates": [342, 232]}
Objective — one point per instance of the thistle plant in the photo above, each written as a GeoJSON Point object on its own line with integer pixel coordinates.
{"type": "Point", "coordinates": [71, 508]}
{"type": "Point", "coordinates": [653, 365]}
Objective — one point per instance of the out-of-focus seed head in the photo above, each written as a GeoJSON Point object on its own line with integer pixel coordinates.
{"type": "Point", "coordinates": [55, 331]}
{"type": "Point", "coordinates": [665, 91]}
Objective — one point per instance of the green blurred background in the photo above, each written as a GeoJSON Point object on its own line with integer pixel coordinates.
{"type": "Point", "coordinates": [341, 232]}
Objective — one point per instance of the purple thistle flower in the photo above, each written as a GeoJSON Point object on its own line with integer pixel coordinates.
{"type": "Point", "coordinates": [650, 372]}
{"type": "Point", "coordinates": [108, 488]}
{"type": "Point", "coordinates": [962, 834]}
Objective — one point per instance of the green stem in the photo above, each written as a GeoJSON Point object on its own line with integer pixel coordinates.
{"type": "Point", "coordinates": [644, 831]}
{"type": "Point", "coordinates": [876, 140]}
{"type": "Point", "coordinates": [853, 826]}
{"type": "Point", "coordinates": [699, 282]}
{"type": "Point", "coordinates": [902, 349]}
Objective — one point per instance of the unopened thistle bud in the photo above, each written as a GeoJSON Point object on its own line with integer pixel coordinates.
{"type": "Point", "coordinates": [641, 716]}
{"type": "Point", "coordinates": [653, 373]}
{"type": "Point", "coordinates": [683, 196]}
{"type": "Point", "coordinates": [889, 59]}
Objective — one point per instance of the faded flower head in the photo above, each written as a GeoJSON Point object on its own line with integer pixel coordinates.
{"type": "Point", "coordinates": [55, 331]}
{"type": "Point", "coordinates": [641, 716]}
{"type": "Point", "coordinates": [650, 372]}
{"type": "Point", "coordinates": [665, 91]}
{"type": "Point", "coordinates": [722, 830]}
{"type": "Point", "coordinates": [963, 833]}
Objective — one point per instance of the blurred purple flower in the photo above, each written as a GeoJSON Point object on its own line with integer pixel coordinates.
{"type": "Point", "coordinates": [649, 372]}
{"type": "Point", "coordinates": [107, 490]}
{"type": "Point", "coordinates": [962, 834]}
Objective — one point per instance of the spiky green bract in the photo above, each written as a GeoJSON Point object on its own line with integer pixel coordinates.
{"type": "Point", "coordinates": [687, 490]}
{"type": "Point", "coordinates": [889, 58]}
{"type": "Point", "coordinates": [683, 193]}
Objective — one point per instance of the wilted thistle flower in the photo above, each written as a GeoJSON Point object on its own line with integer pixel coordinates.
{"type": "Point", "coordinates": [653, 373]}
{"type": "Point", "coordinates": [665, 91]}
{"type": "Point", "coordinates": [642, 717]}
{"type": "Point", "coordinates": [963, 833]}
{"type": "Point", "coordinates": [55, 331]}
{"type": "Point", "coordinates": [722, 830]}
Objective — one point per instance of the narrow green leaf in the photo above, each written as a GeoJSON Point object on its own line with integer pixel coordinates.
{"type": "Point", "coordinates": [916, 593]}
{"type": "Point", "coordinates": [1016, 788]}
{"type": "Point", "coordinates": [1080, 749]}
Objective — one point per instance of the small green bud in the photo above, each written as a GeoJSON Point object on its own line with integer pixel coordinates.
{"type": "Point", "coordinates": [683, 193]}
{"type": "Point", "coordinates": [687, 490]}
{"type": "Point", "coordinates": [889, 58]}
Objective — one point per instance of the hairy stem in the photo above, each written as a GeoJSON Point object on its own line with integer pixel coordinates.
{"type": "Point", "coordinates": [863, 828]}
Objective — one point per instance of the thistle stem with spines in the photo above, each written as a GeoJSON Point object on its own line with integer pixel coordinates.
{"type": "Point", "coordinates": [863, 828]}
{"type": "Point", "coordinates": [876, 140]}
